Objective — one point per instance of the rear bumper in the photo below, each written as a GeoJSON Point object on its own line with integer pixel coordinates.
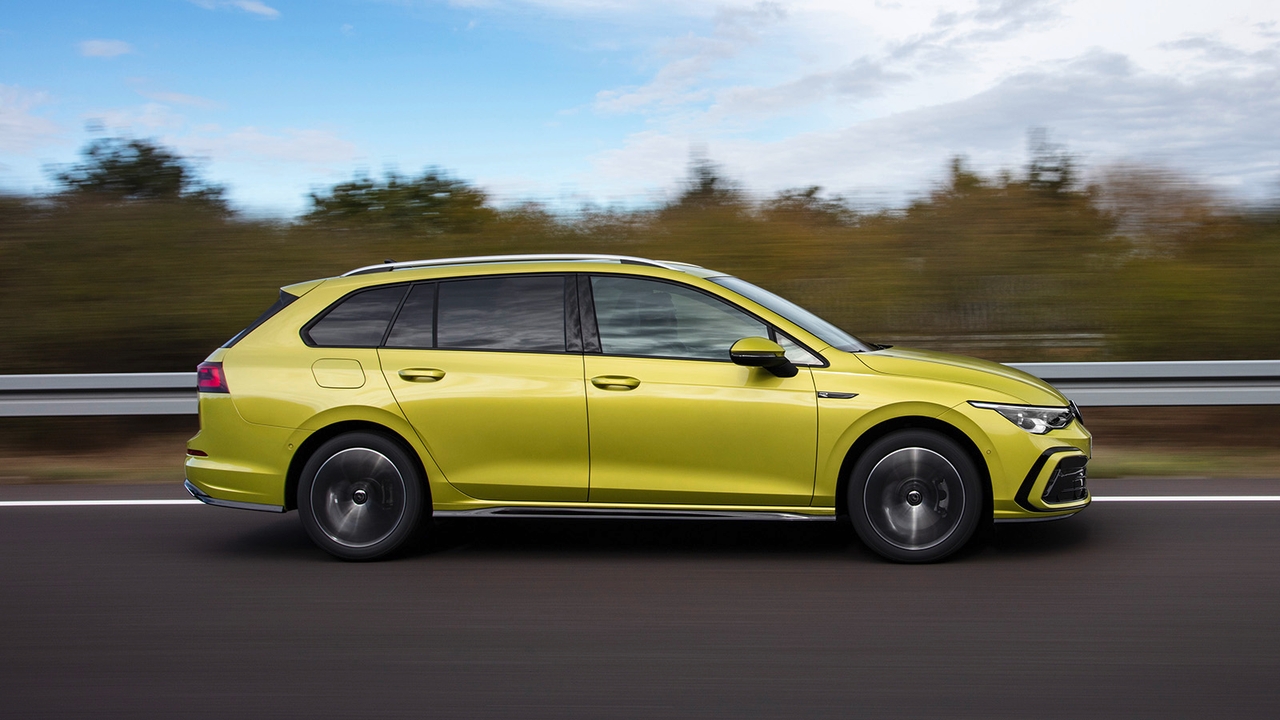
{"type": "Point", "coordinates": [204, 497]}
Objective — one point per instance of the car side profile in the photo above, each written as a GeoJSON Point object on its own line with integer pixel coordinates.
{"type": "Point", "coordinates": [611, 386]}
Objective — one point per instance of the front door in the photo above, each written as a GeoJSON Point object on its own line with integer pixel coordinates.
{"type": "Point", "coordinates": [672, 420]}
{"type": "Point", "coordinates": [491, 387]}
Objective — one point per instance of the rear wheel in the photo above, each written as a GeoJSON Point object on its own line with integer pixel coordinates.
{"type": "Point", "coordinates": [360, 496]}
{"type": "Point", "coordinates": [915, 496]}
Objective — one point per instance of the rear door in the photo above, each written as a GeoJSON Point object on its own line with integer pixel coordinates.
{"type": "Point", "coordinates": [489, 372]}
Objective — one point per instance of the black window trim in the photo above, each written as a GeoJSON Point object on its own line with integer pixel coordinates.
{"type": "Point", "coordinates": [579, 315]}
{"type": "Point", "coordinates": [573, 343]}
{"type": "Point", "coordinates": [283, 301]}
{"type": "Point", "coordinates": [569, 308]}
{"type": "Point", "coordinates": [774, 332]}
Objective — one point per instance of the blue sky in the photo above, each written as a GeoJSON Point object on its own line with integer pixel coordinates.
{"type": "Point", "coordinates": [572, 101]}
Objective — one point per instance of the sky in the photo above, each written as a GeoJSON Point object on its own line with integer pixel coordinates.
{"type": "Point", "coordinates": [605, 102]}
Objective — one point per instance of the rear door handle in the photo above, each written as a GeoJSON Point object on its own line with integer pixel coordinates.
{"type": "Point", "coordinates": [421, 374]}
{"type": "Point", "coordinates": [615, 382]}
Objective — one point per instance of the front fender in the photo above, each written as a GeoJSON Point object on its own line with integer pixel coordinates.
{"type": "Point", "coordinates": [842, 422]}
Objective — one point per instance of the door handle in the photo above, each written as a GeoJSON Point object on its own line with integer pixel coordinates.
{"type": "Point", "coordinates": [615, 382]}
{"type": "Point", "coordinates": [421, 374]}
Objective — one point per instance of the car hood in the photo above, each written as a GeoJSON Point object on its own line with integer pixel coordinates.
{"type": "Point", "coordinates": [969, 371]}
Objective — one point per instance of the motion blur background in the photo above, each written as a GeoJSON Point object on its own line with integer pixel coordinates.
{"type": "Point", "coordinates": [1016, 180]}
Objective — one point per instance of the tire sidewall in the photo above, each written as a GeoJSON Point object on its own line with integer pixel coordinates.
{"type": "Point", "coordinates": [969, 479]}
{"type": "Point", "coordinates": [415, 495]}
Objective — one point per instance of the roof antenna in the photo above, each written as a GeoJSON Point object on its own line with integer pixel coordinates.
{"type": "Point", "coordinates": [388, 261]}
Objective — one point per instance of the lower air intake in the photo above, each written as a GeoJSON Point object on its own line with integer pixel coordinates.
{"type": "Point", "coordinates": [1067, 484]}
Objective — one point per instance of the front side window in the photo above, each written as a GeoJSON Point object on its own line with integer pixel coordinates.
{"type": "Point", "coordinates": [512, 313]}
{"type": "Point", "coordinates": [359, 320]}
{"type": "Point", "coordinates": [823, 330]}
{"type": "Point", "coordinates": [649, 318]}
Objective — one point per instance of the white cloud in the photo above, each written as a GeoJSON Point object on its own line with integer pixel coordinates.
{"type": "Point", "coordinates": [21, 130]}
{"type": "Point", "coordinates": [1100, 104]}
{"type": "Point", "coordinates": [177, 98]}
{"type": "Point", "coordinates": [312, 147]}
{"type": "Point", "coordinates": [105, 48]}
{"type": "Point", "coordinates": [862, 96]}
{"type": "Point", "coordinates": [249, 144]}
{"type": "Point", "coordinates": [250, 6]}
{"type": "Point", "coordinates": [148, 119]}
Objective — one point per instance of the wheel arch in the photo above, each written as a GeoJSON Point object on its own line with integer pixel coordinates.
{"type": "Point", "coordinates": [317, 438]}
{"type": "Point", "coordinates": [919, 422]}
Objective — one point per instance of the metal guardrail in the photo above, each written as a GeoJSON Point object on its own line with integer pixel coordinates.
{"type": "Point", "coordinates": [1132, 384]}
{"type": "Point", "coordinates": [98, 394]}
{"type": "Point", "coordinates": [1100, 384]}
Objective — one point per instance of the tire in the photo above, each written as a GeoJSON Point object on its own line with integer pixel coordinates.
{"type": "Point", "coordinates": [915, 496]}
{"type": "Point", "coordinates": [361, 496]}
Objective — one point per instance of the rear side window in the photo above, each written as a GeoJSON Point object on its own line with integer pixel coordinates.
{"type": "Point", "coordinates": [359, 320]}
{"type": "Point", "coordinates": [512, 313]}
{"type": "Point", "coordinates": [415, 325]}
{"type": "Point", "coordinates": [281, 303]}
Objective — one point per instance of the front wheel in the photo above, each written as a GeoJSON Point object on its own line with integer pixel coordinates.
{"type": "Point", "coordinates": [915, 496]}
{"type": "Point", "coordinates": [360, 496]}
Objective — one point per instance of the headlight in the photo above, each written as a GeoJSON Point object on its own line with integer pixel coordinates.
{"type": "Point", "coordinates": [1033, 419]}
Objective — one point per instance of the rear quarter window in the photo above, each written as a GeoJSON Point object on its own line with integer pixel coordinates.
{"type": "Point", "coordinates": [358, 320]}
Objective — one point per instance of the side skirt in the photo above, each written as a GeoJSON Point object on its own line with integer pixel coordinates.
{"type": "Point", "coordinates": [626, 514]}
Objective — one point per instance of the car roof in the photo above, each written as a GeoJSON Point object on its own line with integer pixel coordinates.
{"type": "Point", "coordinates": [538, 258]}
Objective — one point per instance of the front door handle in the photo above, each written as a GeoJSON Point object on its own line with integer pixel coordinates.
{"type": "Point", "coordinates": [615, 382]}
{"type": "Point", "coordinates": [421, 374]}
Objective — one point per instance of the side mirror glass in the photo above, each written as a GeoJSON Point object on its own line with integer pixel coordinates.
{"type": "Point", "coordinates": [762, 353]}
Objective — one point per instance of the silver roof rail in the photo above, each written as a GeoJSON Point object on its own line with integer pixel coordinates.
{"type": "Point", "coordinates": [481, 259]}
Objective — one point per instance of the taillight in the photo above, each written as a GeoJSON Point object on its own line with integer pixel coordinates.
{"type": "Point", "coordinates": [209, 378]}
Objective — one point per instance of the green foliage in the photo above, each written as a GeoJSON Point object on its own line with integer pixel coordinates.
{"type": "Point", "coordinates": [1143, 266]}
{"type": "Point", "coordinates": [430, 204]}
{"type": "Point", "coordinates": [130, 169]}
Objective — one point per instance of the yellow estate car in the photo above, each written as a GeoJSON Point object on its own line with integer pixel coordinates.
{"type": "Point", "coordinates": [609, 386]}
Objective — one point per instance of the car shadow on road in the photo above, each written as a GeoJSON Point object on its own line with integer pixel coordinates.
{"type": "Point", "coordinates": [636, 537]}
{"type": "Point", "coordinates": [284, 538]}
{"type": "Point", "coordinates": [281, 537]}
{"type": "Point", "coordinates": [1018, 540]}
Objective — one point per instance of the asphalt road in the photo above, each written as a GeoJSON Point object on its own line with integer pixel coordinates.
{"type": "Point", "coordinates": [1132, 609]}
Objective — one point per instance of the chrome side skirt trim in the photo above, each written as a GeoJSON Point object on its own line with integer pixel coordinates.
{"type": "Point", "coordinates": [1003, 521]}
{"type": "Point", "coordinates": [200, 495]}
{"type": "Point", "coordinates": [625, 514]}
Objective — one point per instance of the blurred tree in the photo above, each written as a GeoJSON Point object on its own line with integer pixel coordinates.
{"type": "Point", "coordinates": [131, 169]}
{"type": "Point", "coordinates": [1050, 168]}
{"type": "Point", "coordinates": [707, 188]}
{"type": "Point", "coordinates": [807, 205]}
{"type": "Point", "coordinates": [431, 203]}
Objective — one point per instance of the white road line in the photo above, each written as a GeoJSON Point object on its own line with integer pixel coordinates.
{"type": "Point", "coordinates": [81, 503]}
{"type": "Point", "coordinates": [1186, 498]}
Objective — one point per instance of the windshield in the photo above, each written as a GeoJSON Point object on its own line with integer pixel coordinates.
{"type": "Point", "coordinates": [825, 331]}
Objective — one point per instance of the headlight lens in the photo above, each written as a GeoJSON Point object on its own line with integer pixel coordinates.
{"type": "Point", "coordinates": [1035, 420]}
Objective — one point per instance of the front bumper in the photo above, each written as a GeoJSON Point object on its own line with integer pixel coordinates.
{"type": "Point", "coordinates": [1033, 477]}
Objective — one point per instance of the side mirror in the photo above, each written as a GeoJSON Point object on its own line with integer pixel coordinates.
{"type": "Point", "coordinates": [762, 353]}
